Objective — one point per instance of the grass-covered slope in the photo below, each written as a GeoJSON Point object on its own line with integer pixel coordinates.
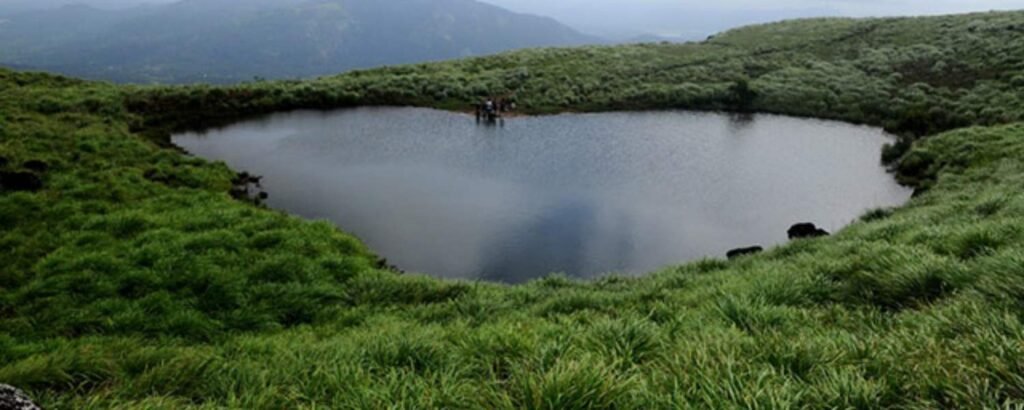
{"type": "Point", "coordinates": [132, 279]}
{"type": "Point", "coordinates": [915, 76]}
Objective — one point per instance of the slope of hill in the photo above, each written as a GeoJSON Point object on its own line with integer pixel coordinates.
{"type": "Point", "coordinates": [228, 41]}
{"type": "Point", "coordinates": [131, 279]}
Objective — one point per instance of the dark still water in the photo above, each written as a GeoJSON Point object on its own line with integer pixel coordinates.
{"type": "Point", "coordinates": [583, 195]}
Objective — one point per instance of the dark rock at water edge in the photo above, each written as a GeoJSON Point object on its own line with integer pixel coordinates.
{"type": "Point", "coordinates": [36, 165]}
{"type": "Point", "coordinates": [736, 253]}
{"type": "Point", "coordinates": [14, 399]}
{"type": "Point", "coordinates": [382, 264]}
{"type": "Point", "coordinates": [244, 178]}
{"type": "Point", "coordinates": [248, 188]}
{"type": "Point", "coordinates": [806, 230]}
{"type": "Point", "coordinates": [20, 181]}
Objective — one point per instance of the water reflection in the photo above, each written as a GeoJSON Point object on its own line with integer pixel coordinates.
{"type": "Point", "coordinates": [580, 194]}
{"type": "Point", "coordinates": [739, 122]}
{"type": "Point", "coordinates": [553, 242]}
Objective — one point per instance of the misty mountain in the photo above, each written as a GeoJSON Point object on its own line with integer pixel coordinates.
{"type": "Point", "coordinates": [633, 21]}
{"type": "Point", "coordinates": [230, 40]}
{"type": "Point", "coordinates": [8, 7]}
{"type": "Point", "coordinates": [623, 20]}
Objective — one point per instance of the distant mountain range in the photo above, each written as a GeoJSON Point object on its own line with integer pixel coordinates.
{"type": "Point", "coordinates": [8, 7]}
{"type": "Point", "coordinates": [228, 40]}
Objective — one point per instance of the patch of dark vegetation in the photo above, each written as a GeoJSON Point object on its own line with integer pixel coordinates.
{"type": "Point", "coordinates": [162, 177]}
{"type": "Point", "coordinates": [992, 206]}
{"type": "Point", "coordinates": [877, 214]}
{"type": "Point", "coordinates": [936, 72]}
{"type": "Point", "coordinates": [20, 181]}
{"type": "Point", "coordinates": [917, 169]}
{"type": "Point", "coordinates": [893, 152]}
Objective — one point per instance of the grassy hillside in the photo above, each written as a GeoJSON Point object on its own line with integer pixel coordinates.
{"type": "Point", "coordinates": [133, 279]}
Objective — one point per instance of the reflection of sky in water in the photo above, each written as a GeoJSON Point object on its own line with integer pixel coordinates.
{"type": "Point", "coordinates": [580, 194]}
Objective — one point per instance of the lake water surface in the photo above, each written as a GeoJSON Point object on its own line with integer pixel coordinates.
{"type": "Point", "coordinates": [584, 195]}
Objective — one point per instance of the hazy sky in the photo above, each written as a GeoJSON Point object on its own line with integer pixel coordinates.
{"type": "Point", "coordinates": [696, 18]}
{"type": "Point", "coordinates": [689, 18]}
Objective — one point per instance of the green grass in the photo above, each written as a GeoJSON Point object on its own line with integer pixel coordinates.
{"type": "Point", "coordinates": [134, 280]}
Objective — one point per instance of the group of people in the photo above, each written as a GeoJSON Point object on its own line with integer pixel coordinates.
{"type": "Point", "coordinates": [491, 109]}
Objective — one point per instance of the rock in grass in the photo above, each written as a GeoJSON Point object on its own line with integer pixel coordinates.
{"type": "Point", "coordinates": [736, 253]}
{"type": "Point", "coordinates": [20, 181]}
{"type": "Point", "coordinates": [806, 230]}
{"type": "Point", "coordinates": [14, 399]}
{"type": "Point", "coordinates": [36, 165]}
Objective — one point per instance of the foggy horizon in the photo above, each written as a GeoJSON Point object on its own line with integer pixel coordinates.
{"type": "Point", "coordinates": [624, 19]}
{"type": "Point", "coordinates": [618, 18]}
